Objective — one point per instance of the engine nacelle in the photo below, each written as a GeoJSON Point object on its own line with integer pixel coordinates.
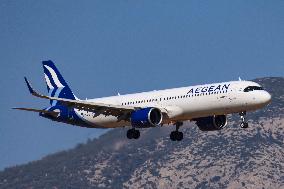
{"type": "Point", "coordinates": [147, 117]}
{"type": "Point", "coordinates": [212, 123]}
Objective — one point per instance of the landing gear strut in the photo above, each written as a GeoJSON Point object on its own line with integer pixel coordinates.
{"type": "Point", "coordinates": [244, 123]}
{"type": "Point", "coordinates": [133, 134]}
{"type": "Point", "coordinates": [177, 135]}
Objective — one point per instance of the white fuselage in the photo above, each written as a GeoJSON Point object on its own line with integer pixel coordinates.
{"type": "Point", "coordinates": [185, 103]}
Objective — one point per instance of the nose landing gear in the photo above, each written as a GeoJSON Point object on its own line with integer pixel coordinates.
{"type": "Point", "coordinates": [244, 123]}
{"type": "Point", "coordinates": [177, 135]}
{"type": "Point", "coordinates": [133, 134]}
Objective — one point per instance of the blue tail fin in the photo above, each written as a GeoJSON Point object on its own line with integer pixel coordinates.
{"type": "Point", "coordinates": [56, 85]}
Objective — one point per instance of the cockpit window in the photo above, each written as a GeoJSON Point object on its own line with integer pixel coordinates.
{"type": "Point", "coordinates": [252, 88]}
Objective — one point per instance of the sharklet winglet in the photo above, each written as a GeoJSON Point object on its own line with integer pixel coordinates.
{"type": "Point", "coordinates": [33, 92]}
{"type": "Point", "coordinates": [29, 86]}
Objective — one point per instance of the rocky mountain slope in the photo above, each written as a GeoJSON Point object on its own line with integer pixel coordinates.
{"type": "Point", "coordinates": [230, 158]}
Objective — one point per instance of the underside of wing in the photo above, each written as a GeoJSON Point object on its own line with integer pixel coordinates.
{"type": "Point", "coordinates": [39, 111]}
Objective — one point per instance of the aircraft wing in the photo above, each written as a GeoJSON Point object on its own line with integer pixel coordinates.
{"type": "Point", "coordinates": [38, 111]}
{"type": "Point", "coordinates": [122, 112]}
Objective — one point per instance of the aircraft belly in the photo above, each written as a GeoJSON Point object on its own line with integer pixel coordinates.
{"type": "Point", "coordinates": [108, 122]}
{"type": "Point", "coordinates": [222, 104]}
{"type": "Point", "coordinates": [210, 105]}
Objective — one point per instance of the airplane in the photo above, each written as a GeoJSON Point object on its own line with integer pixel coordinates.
{"type": "Point", "coordinates": [208, 105]}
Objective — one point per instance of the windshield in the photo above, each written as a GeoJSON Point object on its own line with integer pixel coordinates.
{"type": "Point", "coordinates": [252, 88]}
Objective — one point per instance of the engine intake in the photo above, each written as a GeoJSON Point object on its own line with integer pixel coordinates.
{"type": "Point", "coordinates": [146, 117]}
{"type": "Point", "coordinates": [211, 123]}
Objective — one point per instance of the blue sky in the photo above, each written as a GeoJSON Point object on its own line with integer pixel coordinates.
{"type": "Point", "coordinates": [105, 47]}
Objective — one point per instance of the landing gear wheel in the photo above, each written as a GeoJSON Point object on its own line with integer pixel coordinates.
{"type": "Point", "coordinates": [133, 134]}
{"type": "Point", "coordinates": [129, 134]}
{"type": "Point", "coordinates": [244, 125]}
{"type": "Point", "coordinates": [173, 136]}
{"type": "Point", "coordinates": [136, 134]}
{"type": "Point", "coordinates": [176, 136]}
{"type": "Point", "coordinates": [179, 136]}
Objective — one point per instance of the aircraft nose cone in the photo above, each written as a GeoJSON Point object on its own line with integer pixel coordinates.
{"type": "Point", "coordinates": [266, 98]}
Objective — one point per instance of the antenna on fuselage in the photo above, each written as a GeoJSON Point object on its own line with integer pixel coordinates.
{"type": "Point", "coordinates": [240, 79]}
{"type": "Point", "coordinates": [118, 94]}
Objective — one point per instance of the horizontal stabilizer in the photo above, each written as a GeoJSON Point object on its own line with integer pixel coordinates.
{"type": "Point", "coordinates": [38, 111]}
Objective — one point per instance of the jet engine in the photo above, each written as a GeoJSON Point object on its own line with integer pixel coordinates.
{"type": "Point", "coordinates": [146, 117]}
{"type": "Point", "coordinates": [211, 123]}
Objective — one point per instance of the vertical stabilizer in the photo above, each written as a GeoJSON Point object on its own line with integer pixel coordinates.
{"type": "Point", "coordinates": [56, 85]}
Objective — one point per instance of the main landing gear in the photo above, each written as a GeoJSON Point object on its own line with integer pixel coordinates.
{"type": "Point", "coordinates": [133, 134]}
{"type": "Point", "coordinates": [177, 135]}
{"type": "Point", "coordinates": [244, 123]}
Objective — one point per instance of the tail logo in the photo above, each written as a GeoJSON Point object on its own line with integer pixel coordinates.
{"type": "Point", "coordinates": [56, 85]}
{"type": "Point", "coordinates": [52, 79]}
